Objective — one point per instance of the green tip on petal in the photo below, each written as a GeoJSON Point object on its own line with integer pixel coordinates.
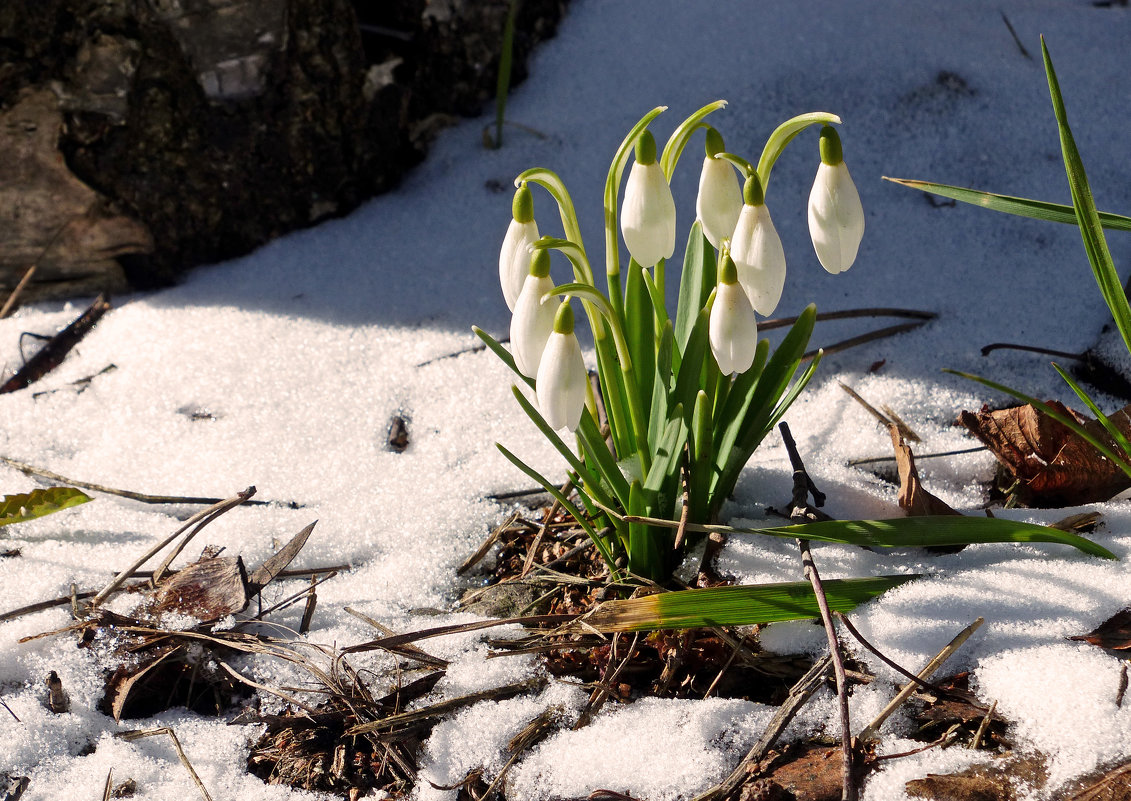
{"type": "Point", "coordinates": [646, 148]}
{"type": "Point", "coordinates": [563, 320]}
{"type": "Point", "coordinates": [831, 152]}
{"type": "Point", "coordinates": [714, 143]}
{"type": "Point", "coordinates": [752, 194]}
{"type": "Point", "coordinates": [728, 273]}
{"type": "Point", "coordinates": [522, 207]}
{"type": "Point", "coordinates": [540, 263]}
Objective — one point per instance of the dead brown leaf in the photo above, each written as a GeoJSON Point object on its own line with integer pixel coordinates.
{"type": "Point", "coordinates": [913, 499]}
{"type": "Point", "coordinates": [1114, 633]}
{"type": "Point", "coordinates": [1055, 465]}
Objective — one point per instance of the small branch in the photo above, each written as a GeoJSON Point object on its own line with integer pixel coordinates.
{"type": "Point", "coordinates": [52, 354]}
{"type": "Point", "coordinates": [1016, 39]}
{"type": "Point", "coordinates": [871, 336]}
{"type": "Point", "coordinates": [924, 674]}
{"type": "Point", "coordinates": [918, 457]}
{"type": "Point", "coordinates": [915, 314]}
{"type": "Point", "coordinates": [10, 303]}
{"type": "Point", "coordinates": [801, 513]}
{"type": "Point", "coordinates": [988, 349]}
{"type": "Point", "coordinates": [30, 470]}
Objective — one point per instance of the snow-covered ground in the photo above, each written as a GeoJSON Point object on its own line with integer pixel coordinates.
{"type": "Point", "coordinates": [301, 352]}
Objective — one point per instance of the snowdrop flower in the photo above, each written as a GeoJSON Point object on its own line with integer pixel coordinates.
{"type": "Point", "coordinates": [757, 251]}
{"type": "Point", "coordinates": [514, 258]}
{"type": "Point", "coordinates": [836, 218]}
{"type": "Point", "coordinates": [733, 331]}
{"type": "Point", "coordinates": [647, 216]}
{"type": "Point", "coordinates": [720, 197]}
{"type": "Point", "coordinates": [562, 379]}
{"type": "Point", "coordinates": [533, 318]}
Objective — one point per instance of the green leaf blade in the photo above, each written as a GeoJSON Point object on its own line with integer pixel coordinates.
{"type": "Point", "coordinates": [39, 503]}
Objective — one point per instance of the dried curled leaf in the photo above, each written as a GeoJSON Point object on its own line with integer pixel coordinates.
{"type": "Point", "coordinates": [1114, 633]}
{"type": "Point", "coordinates": [40, 502]}
{"type": "Point", "coordinates": [913, 499]}
{"type": "Point", "coordinates": [1056, 466]}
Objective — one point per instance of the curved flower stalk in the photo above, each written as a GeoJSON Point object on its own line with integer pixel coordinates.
{"type": "Point", "coordinates": [533, 318]}
{"type": "Point", "coordinates": [836, 218]}
{"type": "Point", "coordinates": [647, 216]}
{"type": "Point", "coordinates": [562, 380]}
{"type": "Point", "coordinates": [757, 250]}
{"type": "Point", "coordinates": [514, 257]}
{"type": "Point", "coordinates": [720, 197]}
{"type": "Point", "coordinates": [733, 331]}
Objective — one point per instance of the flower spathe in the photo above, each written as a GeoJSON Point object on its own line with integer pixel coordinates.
{"type": "Point", "coordinates": [836, 218]}
{"type": "Point", "coordinates": [719, 201]}
{"type": "Point", "coordinates": [562, 381]}
{"type": "Point", "coordinates": [733, 330]}
{"type": "Point", "coordinates": [533, 318]}
{"type": "Point", "coordinates": [647, 216]}
{"type": "Point", "coordinates": [757, 251]}
{"type": "Point", "coordinates": [514, 257]}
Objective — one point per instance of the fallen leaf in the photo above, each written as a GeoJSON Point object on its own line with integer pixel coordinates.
{"type": "Point", "coordinates": [1113, 633]}
{"type": "Point", "coordinates": [1055, 466]}
{"type": "Point", "coordinates": [207, 590]}
{"type": "Point", "coordinates": [913, 499]}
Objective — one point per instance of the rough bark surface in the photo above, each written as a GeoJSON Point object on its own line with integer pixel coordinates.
{"type": "Point", "coordinates": [141, 137]}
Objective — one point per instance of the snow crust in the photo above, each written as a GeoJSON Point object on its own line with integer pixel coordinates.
{"type": "Point", "coordinates": [298, 355]}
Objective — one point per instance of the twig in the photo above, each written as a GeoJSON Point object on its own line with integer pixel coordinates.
{"type": "Point", "coordinates": [871, 336]}
{"type": "Point", "coordinates": [918, 457]}
{"type": "Point", "coordinates": [141, 497]}
{"type": "Point", "coordinates": [1016, 38]}
{"type": "Point", "coordinates": [444, 707]}
{"type": "Point", "coordinates": [566, 489]}
{"type": "Point", "coordinates": [208, 515]}
{"type": "Point", "coordinates": [608, 678]}
{"type": "Point", "coordinates": [52, 354]}
{"type": "Point", "coordinates": [935, 663]}
{"type": "Point", "coordinates": [801, 513]}
{"type": "Point", "coordinates": [800, 693]}
{"type": "Point", "coordinates": [410, 651]}
{"type": "Point", "coordinates": [988, 349]}
{"type": "Point", "coordinates": [308, 611]}
{"type": "Point", "coordinates": [290, 699]}
{"type": "Point", "coordinates": [482, 550]}
{"type": "Point", "coordinates": [915, 314]}
{"type": "Point", "coordinates": [109, 785]}
{"type": "Point", "coordinates": [10, 712]}
{"type": "Point", "coordinates": [843, 618]}
{"type": "Point", "coordinates": [14, 295]}
{"type": "Point", "coordinates": [137, 735]}
{"type": "Point", "coordinates": [985, 724]}
{"type": "Point", "coordinates": [294, 597]}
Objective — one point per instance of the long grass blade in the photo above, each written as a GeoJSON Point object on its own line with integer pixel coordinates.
{"type": "Point", "coordinates": [735, 606]}
{"type": "Point", "coordinates": [1017, 206]}
{"type": "Point", "coordinates": [1105, 421]}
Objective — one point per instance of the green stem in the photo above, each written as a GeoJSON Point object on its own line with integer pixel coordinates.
{"type": "Point", "coordinates": [680, 136]}
{"type": "Point", "coordinates": [550, 181]}
{"type": "Point", "coordinates": [783, 135]}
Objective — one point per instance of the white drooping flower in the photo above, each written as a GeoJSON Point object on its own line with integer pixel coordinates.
{"type": "Point", "coordinates": [647, 216]}
{"type": "Point", "coordinates": [533, 318]}
{"type": "Point", "coordinates": [562, 380]}
{"type": "Point", "coordinates": [720, 197]}
{"type": "Point", "coordinates": [733, 330]}
{"type": "Point", "coordinates": [514, 257]}
{"type": "Point", "coordinates": [836, 218]}
{"type": "Point", "coordinates": [757, 251]}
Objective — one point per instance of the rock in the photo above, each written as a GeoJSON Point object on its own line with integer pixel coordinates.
{"type": "Point", "coordinates": [142, 138]}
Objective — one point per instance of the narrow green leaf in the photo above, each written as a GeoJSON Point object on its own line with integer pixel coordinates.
{"type": "Point", "coordinates": [640, 329]}
{"type": "Point", "coordinates": [1105, 421]}
{"type": "Point", "coordinates": [661, 386]}
{"type": "Point", "coordinates": [552, 183]}
{"type": "Point", "coordinates": [644, 555]}
{"type": "Point", "coordinates": [39, 503]}
{"type": "Point", "coordinates": [1063, 419]}
{"type": "Point", "coordinates": [666, 461]}
{"type": "Point", "coordinates": [736, 606]}
{"type": "Point", "coordinates": [504, 355]}
{"type": "Point", "coordinates": [932, 530]}
{"type": "Point", "coordinates": [604, 462]}
{"type": "Point", "coordinates": [688, 379]}
{"type": "Point", "coordinates": [702, 459]}
{"type": "Point", "coordinates": [1086, 215]}
{"type": "Point", "coordinates": [695, 283]}
{"type": "Point", "coordinates": [574, 512]}
{"type": "Point", "coordinates": [1017, 206]}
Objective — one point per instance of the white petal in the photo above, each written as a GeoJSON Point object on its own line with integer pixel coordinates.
{"type": "Point", "coordinates": [562, 382]}
{"type": "Point", "coordinates": [719, 201]}
{"type": "Point", "coordinates": [836, 218]}
{"type": "Point", "coordinates": [647, 216]}
{"type": "Point", "coordinates": [733, 331]}
{"type": "Point", "coordinates": [532, 323]}
{"type": "Point", "coordinates": [759, 258]}
{"type": "Point", "coordinates": [514, 258]}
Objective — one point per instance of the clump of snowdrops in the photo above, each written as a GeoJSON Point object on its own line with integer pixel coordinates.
{"type": "Point", "coordinates": [681, 403]}
{"type": "Point", "coordinates": [686, 400]}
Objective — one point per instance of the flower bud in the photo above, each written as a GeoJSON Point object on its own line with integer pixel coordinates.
{"type": "Point", "coordinates": [647, 216]}
{"type": "Point", "coordinates": [836, 218]}
{"type": "Point", "coordinates": [757, 251]}
{"type": "Point", "coordinates": [533, 318]}
{"type": "Point", "coordinates": [514, 258]}
{"type": "Point", "coordinates": [733, 330]}
{"type": "Point", "coordinates": [562, 380]}
{"type": "Point", "coordinates": [720, 199]}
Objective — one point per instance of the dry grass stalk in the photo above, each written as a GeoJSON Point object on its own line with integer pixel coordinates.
{"type": "Point", "coordinates": [138, 734]}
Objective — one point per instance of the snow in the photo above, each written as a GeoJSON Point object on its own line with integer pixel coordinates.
{"type": "Point", "coordinates": [300, 353]}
